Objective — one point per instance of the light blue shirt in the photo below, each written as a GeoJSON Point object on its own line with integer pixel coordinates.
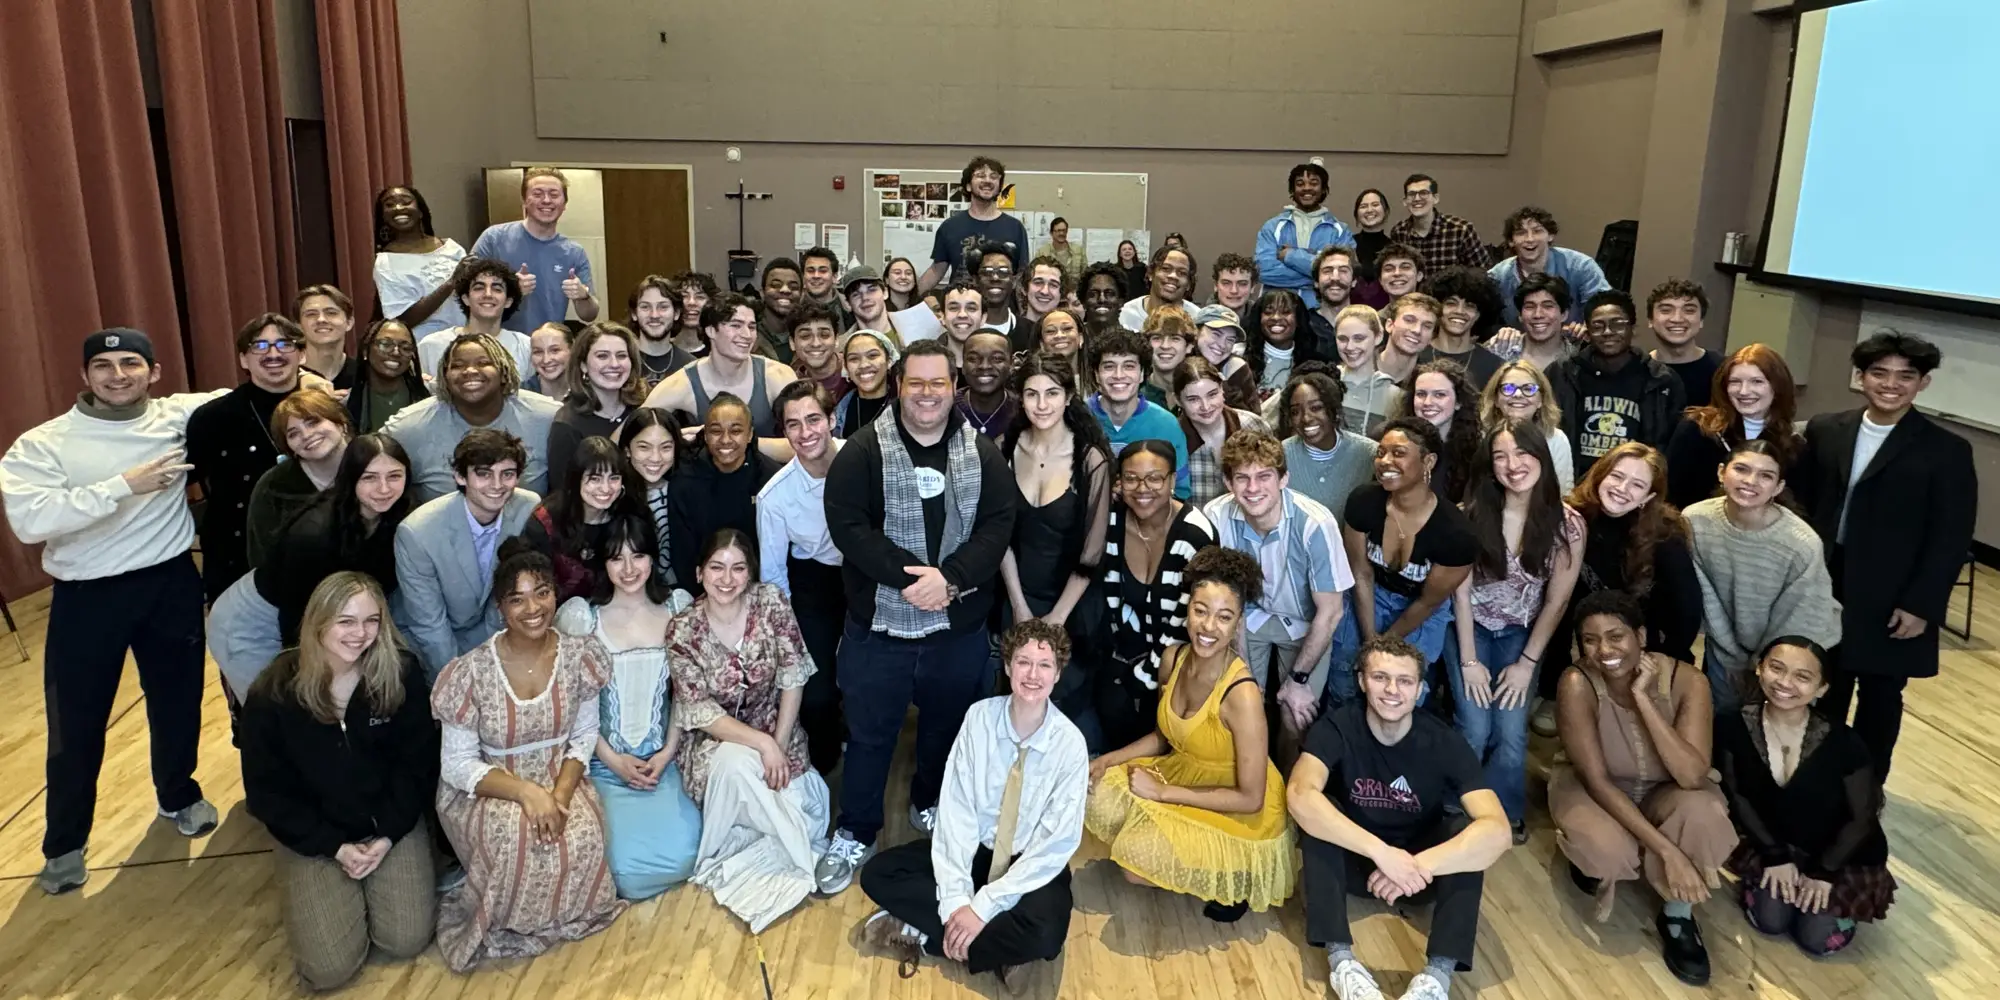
{"type": "Point", "coordinates": [485, 541]}
{"type": "Point", "coordinates": [1294, 271]}
{"type": "Point", "coordinates": [1585, 279]}
{"type": "Point", "coordinates": [1147, 422]}
{"type": "Point", "coordinates": [1301, 556]}
{"type": "Point", "coordinates": [550, 261]}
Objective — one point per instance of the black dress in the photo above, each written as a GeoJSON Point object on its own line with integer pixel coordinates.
{"type": "Point", "coordinates": [1054, 541]}
{"type": "Point", "coordinates": [1672, 603]}
{"type": "Point", "coordinates": [1826, 819]}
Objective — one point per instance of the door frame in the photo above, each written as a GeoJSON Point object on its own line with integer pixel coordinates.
{"type": "Point", "coordinates": [686, 168]}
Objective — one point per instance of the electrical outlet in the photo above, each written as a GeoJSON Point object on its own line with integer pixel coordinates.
{"type": "Point", "coordinates": [733, 154]}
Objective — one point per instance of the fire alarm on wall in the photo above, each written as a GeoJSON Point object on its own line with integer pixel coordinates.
{"type": "Point", "coordinates": [839, 182]}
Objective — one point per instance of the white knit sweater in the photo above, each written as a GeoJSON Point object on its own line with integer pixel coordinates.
{"type": "Point", "coordinates": [63, 484]}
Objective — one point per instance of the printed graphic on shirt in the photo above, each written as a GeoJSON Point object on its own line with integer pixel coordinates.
{"type": "Point", "coordinates": [1415, 572]}
{"type": "Point", "coordinates": [1368, 793]}
{"type": "Point", "coordinates": [930, 482]}
{"type": "Point", "coordinates": [1607, 422]}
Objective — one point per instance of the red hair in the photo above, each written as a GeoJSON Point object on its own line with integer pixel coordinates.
{"type": "Point", "coordinates": [1654, 522]}
{"type": "Point", "coordinates": [1720, 420]}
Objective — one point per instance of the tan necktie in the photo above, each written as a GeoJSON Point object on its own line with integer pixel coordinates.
{"type": "Point", "coordinates": [1010, 813]}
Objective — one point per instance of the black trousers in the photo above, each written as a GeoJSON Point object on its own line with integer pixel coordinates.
{"type": "Point", "coordinates": [1331, 872]}
{"type": "Point", "coordinates": [819, 601]}
{"type": "Point", "coordinates": [1877, 698]}
{"type": "Point", "coordinates": [902, 881]}
{"type": "Point", "coordinates": [1878, 710]}
{"type": "Point", "coordinates": [156, 613]}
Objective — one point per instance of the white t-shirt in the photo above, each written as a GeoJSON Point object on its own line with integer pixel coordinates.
{"type": "Point", "coordinates": [431, 348]}
{"type": "Point", "coordinates": [1866, 443]}
{"type": "Point", "coordinates": [403, 278]}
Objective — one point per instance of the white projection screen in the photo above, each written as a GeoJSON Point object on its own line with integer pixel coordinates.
{"type": "Point", "coordinates": [1889, 174]}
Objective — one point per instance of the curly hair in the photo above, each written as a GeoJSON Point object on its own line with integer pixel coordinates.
{"type": "Point", "coordinates": [1225, 566]}
{"type": "Point", "coordinates": [1525, 214]}
{"type": "Point", "coordinates": [1654, 522]}
{"type": "Point", "coordinates": [1677, 288]}
{"type": "Point", "coordinates": [1475, 288]}
{"type": "Point", "coordinates": [1023, 632]}
{"type": "Point", "coordinates": [503, 362]}
{"type": "Point", "coordinates": [1461, 445]}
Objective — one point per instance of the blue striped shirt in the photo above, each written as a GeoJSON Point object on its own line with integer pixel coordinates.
{"type": "Point", "coordinates": [1302, 556]}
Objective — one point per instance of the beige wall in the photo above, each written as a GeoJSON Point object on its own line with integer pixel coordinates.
{"type": "Point", "coordinates": [1435, 76]}
{"type": "Point", "coordinates": [1600, 108]}
{"type": "Point", "coordinates": [471, 99]}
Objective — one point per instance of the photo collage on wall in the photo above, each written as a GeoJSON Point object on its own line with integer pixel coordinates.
{"type": "Point", "coordinates": [933, 201]}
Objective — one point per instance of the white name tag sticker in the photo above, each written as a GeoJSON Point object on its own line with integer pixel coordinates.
{"type": "Point", "coordinates": [930, 483]}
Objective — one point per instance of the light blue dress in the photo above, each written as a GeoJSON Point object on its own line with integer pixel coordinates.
{"type": "Point", "coordinates": [653, 836]}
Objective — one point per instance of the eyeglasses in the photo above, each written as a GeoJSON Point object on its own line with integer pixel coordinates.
{"type": "Point", "coordinates": [392, 347]}
{"type": "Point", "coordinates": [267, 346]}
{"type": "Point", "coordinates": [1414, 195]}
{"type": "Point", "coordinates": [1526, 390]}
{"type": "Point", "coordinates": [997, 272]}
{"type": "Point", "coordinates": [1151, 480]}
{"type": "Point", "coordinates": [936, 386]}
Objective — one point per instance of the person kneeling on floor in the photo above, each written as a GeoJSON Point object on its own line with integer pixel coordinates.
{"type": "Point", "coordinates": [992, 888]}
{"type": "Point", "coordinates": [1369, 795]}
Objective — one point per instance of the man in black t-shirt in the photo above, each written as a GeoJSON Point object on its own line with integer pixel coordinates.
{"type": "Point", "coordinates": [1369, 793]}
{"type": "Point", "coordinates": [961, 236]}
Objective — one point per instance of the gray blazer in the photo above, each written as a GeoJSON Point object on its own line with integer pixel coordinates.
{"type": "Point", "coordinates": [429, 430]}
{"type": "Point", "coordinates": [444, 593]}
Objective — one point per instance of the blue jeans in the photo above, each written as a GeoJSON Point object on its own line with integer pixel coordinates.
{"type": "Point", "coordinates": [1499, 737]}
{"type": "Point", "coordinates": [1341, 685]}
{"type": "Point", "coordinates": [880, 677]}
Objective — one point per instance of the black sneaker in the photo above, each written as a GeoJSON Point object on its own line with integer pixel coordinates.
{"type": "Point", "coordinates": [1229, 914]}
{"type": "Point", "coordinates": [1586, 883]}
{"type": "Point", "coordinates": [1685, 955]}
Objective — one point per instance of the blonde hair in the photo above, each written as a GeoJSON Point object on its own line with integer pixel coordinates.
{"type": "Point", "coordinates": [503, 359]}
{"type": "Point", "coordinates": [381, 665]}
{"type": "Point", "coordinates": [533, 173]}
{"type": "Point", "coordinates": [1549, 419]}
{"type": "Point", "coordinates": [1368, 315]}
{"type": "Point", "coordinates": [1169, 320]}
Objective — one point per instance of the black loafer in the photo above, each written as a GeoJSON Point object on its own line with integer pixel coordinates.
{"type": "Point", "coordinates": [1584, 882]}
{"type": "Point", "coordinates": [1228, 914]}
{"type": "Point", "coordinates": [1685, 955]}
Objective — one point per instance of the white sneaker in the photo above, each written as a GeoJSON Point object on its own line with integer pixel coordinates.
{"type": "Point", "coordinates": [1352, 981]}
{"type": "Point", "coordinates": [924, 820]}
{"type": "Point", "coordinates": [1424, 986]}
{"type": "Point", "coordinates": [843, 857]}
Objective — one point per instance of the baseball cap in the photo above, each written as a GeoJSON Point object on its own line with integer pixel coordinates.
{"type": "Point", "coordinates": [856, 275]}
{"type": "Point", "coordinates": [1217, 315]}
{"type": "Point", "coordinates": [118, 338]}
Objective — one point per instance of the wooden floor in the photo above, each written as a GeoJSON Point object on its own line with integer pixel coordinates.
{"type": "Point", "coordinates": [167, 917]}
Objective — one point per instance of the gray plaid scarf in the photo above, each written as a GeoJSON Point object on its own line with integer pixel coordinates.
{"type": "Point", "coordinates": [903, 519]}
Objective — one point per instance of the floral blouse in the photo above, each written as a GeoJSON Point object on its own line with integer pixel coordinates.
{"type": "Point", "coordinates": [712, 680]}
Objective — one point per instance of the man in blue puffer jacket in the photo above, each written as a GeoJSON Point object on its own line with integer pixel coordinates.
{"type": "Point", "coordinates": [1287, 244]}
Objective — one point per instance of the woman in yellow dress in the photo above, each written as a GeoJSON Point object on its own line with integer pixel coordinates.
{"type": "Point", "coordinates": [1196, 806]}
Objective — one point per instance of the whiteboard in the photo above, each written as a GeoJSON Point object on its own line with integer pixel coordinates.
{"type": "Point", "coordinates": [901, 209]}
{"type": "Point", "coordinates": [1962, 388]}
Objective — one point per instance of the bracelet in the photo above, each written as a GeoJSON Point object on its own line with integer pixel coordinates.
{"type": "Point", "coordinates": [1536, 660]}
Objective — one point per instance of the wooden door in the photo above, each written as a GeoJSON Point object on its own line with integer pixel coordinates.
{"type": "Point", "coordinates": [646, 230]}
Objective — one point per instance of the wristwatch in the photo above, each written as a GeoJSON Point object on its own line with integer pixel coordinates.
{"type": "Point", "coordinates": [1301, 676]}
{"type": "Point", "coordinates": [950, 592]}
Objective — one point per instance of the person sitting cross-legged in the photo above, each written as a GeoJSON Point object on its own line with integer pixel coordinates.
{"type": "Point", "coordinates": [1369, 795]}
{"type": "Point", "coordinates": [992, 889]}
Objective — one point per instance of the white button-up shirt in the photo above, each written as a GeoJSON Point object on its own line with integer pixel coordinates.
{"type": "Point", "coordinates": [1048, 828]}
{"type": "Point", "coordinates": [791, 521]}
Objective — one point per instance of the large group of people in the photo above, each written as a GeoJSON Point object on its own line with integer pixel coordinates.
{"type": "Point", "coordinates": [523, 618]}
